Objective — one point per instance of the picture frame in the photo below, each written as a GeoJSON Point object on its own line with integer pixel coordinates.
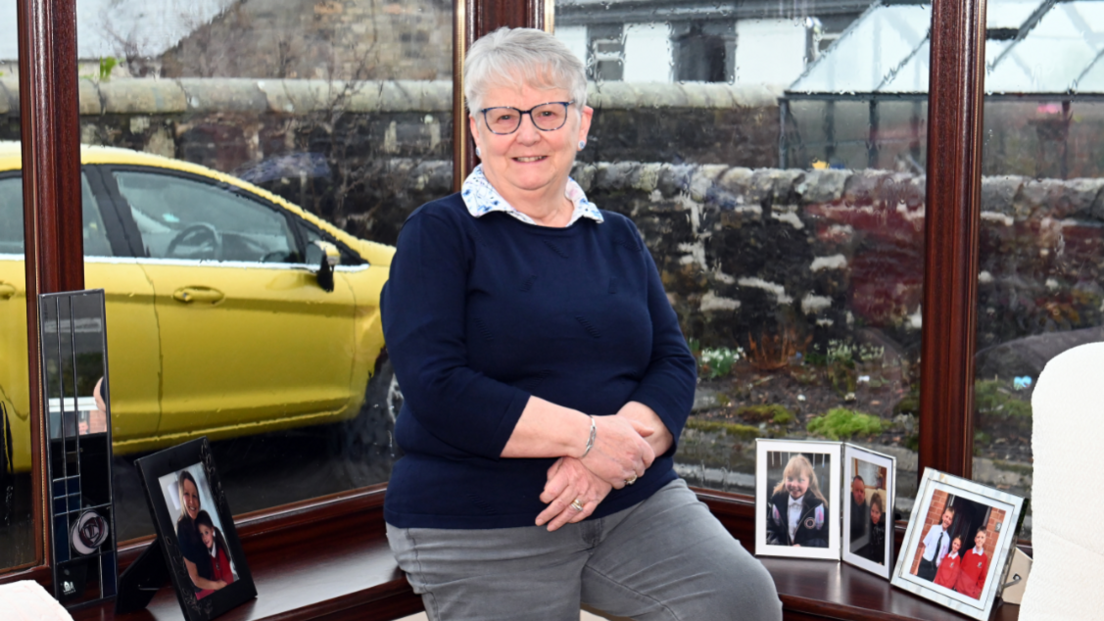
{"type": "Point", "coordinates": [950, 509]}
{"type": "Point", "coordinates": [192, 517]}
{"type": "Point", "coordinates": [868, 544]}
{"type": "Point", "coordinates": [817, 533]}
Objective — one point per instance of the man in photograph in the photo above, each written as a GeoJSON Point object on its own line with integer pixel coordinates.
{"type": "Point", "coordinates": [934, 546]}
{"type": "Point", "coordinates": [975, 565]}
{"type": "Point", "coordinates": [860, 512]}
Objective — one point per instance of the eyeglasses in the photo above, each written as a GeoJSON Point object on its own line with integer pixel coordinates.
{"type": "Point", "coordinates": [546, 117]}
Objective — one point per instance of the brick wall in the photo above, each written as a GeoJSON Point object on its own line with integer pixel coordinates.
{"type": "Point", "coordinates": [933, 517]}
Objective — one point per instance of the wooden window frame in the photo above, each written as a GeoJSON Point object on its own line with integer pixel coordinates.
{"type": "Point", "coordinates": [52, 208]}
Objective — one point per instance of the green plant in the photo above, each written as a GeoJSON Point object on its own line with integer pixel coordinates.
{"type": "Point", "coordinates": [772, 413]}
{"type": "Point", "coordinates": [718, 362]}
{"type": "Point", "coordinates": [842, 423]}
{"type": "Point", "coordinates": [736, 430]}
{"type": "Point", "coordinates": [993, 397]}
{"type": "Point", "coordinates": [107, 64]}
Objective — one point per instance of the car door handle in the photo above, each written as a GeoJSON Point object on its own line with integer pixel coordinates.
{"type": "Point", "coordinates": [188, 295]}
{"type": "Point", "coordinates": [7, 291]}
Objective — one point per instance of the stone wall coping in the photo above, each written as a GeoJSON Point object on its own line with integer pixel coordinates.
{"type": "Point", "coordinates": [734, 187]}
{"type": "Point", "coordinates": [299, 97]}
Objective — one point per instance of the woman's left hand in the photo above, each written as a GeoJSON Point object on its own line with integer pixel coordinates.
{"type": "Point", "coordinates": [661, 439]}
{"type": "Point", "coordinates": [570, 485]}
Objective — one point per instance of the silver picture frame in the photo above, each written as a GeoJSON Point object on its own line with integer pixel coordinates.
{"type": "Point", "coordinates": [820, 513]}
{"type": "Point", "coordinates": [878, 474]}
{"type": "Point", "coordinates": [972, 507]}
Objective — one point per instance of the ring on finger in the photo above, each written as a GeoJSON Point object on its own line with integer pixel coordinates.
{"type": "Point", "coordinates": [576, 505]}
{"type": "Point", "coordinates": [630, 481]}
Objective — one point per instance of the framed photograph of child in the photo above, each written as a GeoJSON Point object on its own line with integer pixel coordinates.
{"type": "Point", "coordinates": [196, 530]}
{"type": "Point", "coordinates": [869, 482]}
{"type": "Point", "coordinates": [959, 539]}
{"type": "Point", "coordinates": [797, 489]}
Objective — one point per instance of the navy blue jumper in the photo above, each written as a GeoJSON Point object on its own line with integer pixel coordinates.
{"type": "Point", "coordinates": [481, 313]}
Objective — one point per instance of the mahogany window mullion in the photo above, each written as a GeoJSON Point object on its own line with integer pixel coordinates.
{"type": "Point", "coordinates": [53, 246]}
{"type": "Point", "coordinates": [948, 339]}
{"type": "Point", "coordinates": [475, 18]}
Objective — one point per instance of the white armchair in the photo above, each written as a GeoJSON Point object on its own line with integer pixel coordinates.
{"type": "Point", "coordinates": [1067, 577]}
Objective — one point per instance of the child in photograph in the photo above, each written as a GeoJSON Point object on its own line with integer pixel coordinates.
{"type": "Point", "coordinates": [875, 548]}
{"type": "Point", "coordinates": [217, 552]}
{"type": "Point", "coordinates": [934, 546]}
{"type": "Point", "coordinates": [951, 566]}
{"type": "Point", "coordinates": [797, 508]}
{"type": "Point", "coordinates": [971, 580]}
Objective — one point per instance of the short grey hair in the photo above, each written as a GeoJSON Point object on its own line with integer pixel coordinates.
{"type": "Point", "coordinates": [533, 56]}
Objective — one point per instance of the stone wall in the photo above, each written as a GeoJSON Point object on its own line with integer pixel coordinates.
{"type": "Point", "coordinates": [827, 253]}
{"type": "Point", "coordinates": [344, 149]}
{"type": "Point", "coordinates": [745, 249]}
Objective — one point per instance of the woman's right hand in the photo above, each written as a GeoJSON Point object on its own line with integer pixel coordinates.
{"type": "Point", "coordinates": [620, 453]}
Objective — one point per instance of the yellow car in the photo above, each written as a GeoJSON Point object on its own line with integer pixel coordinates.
{"type": "Point", "coordinates": [217, 323]}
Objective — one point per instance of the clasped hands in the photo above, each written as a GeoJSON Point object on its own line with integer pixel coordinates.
{"type": "Point", "coordinates": [625, 446]}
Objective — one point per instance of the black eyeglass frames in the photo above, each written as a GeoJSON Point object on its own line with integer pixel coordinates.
{"type": "Point", "coordinates": [546, 117]}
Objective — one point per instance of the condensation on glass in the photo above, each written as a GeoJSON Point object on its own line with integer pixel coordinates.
{"type": "Point", "coordinates": [256, 142]}
{"type": "Point", "coordinates": [17, 533]}
{"type": "Point", "coordinates": [1042, 220]}
{"type": "Point", "coordinates": [773, 158]}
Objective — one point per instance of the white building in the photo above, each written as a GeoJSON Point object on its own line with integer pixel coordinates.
{"type": "Point", "coordinates": [749, 42]}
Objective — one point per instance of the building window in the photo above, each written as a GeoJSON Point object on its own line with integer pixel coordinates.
{"type": "Point", "coordinates": [605, 53]}
{"type": "Point", "coordinates": [703, 51]}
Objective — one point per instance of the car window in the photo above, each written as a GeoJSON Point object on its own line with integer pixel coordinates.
{"type": "Point", "coordinates": [11, 219]}
{"type": "Point", "coordinates": [182, 218]}
{"type": "Point", "coordinates": [314, 253]}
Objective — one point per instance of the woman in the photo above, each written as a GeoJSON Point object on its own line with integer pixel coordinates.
{"type": "Point", "coordinates": [196, 559]}
{"type": "Point", "coordinates": [545, 381]}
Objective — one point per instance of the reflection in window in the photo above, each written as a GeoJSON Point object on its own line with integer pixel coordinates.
{"type": "Point", "coordinates": [703, 52]}
{"type": "Point", "coordinates": [186, 219]}
{"type": "Point", "coordinates": [341, 108]}
{"type": "Point", "coordinates": [606, 51]}
{"type": "Point", "coordinates": [795, 272]}
{"type": "Point", "coordinates": [1041, 247]}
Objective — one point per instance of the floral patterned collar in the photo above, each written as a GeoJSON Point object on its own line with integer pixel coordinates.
{"type": "Point", "coordinates": [481, 198]}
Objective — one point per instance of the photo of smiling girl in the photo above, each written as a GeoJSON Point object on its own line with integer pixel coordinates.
{"type": "Point", "coordinates": [798, 510]}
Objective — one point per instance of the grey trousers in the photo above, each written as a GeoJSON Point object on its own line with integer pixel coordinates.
{"type": "Point", "coordinates": [666, 558]}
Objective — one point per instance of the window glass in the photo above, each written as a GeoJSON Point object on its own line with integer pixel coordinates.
{"type": "Point", "coordinates": [17, 533]}
{"type": "Point", "coordinates": [16, 539]}
{"type": "Point", "coordinates": [1041, 244]}
{"type": "Point", "coordinates": [780, 188]}
{"type": "Point", "coordinates": [342, 109]}
{"type": "Point", "coordinates": [11, 217]}
{"type": "Point", "coordinates": [185, 219]}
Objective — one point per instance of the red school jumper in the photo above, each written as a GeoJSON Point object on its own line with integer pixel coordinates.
{"type": "Point", "coordinates": [972, 577]}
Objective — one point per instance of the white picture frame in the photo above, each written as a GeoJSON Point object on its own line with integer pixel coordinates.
{"type": "Point", "coordinates": [1000, 514]}
{"type": "Point", "coordinates": [878, 474]}
{"type": "Point", "coordinates": [772, 537]}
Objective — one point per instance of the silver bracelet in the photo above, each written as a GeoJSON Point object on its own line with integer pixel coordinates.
{"type": "Point", "coordinates": [590, 440]}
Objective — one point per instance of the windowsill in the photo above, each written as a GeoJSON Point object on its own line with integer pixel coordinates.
{"type": "Point", "coordinates": [329, 559]}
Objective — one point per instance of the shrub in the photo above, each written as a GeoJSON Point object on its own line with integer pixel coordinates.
{"type": "Point", "coordinates": [993, 397]}
{"type": "Point", "coordinates": [736, 430]}
{"type": "Point", "coordinates": [772, 413]}
{"type": "Point", "coordinates": [842, 424]}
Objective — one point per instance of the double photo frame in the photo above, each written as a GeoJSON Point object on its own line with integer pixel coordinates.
{"type": "Point", "coordinates": [825, 500]}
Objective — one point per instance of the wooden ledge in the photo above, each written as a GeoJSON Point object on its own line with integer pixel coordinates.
{"type": "Point", "coordinates": [328, 560]}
